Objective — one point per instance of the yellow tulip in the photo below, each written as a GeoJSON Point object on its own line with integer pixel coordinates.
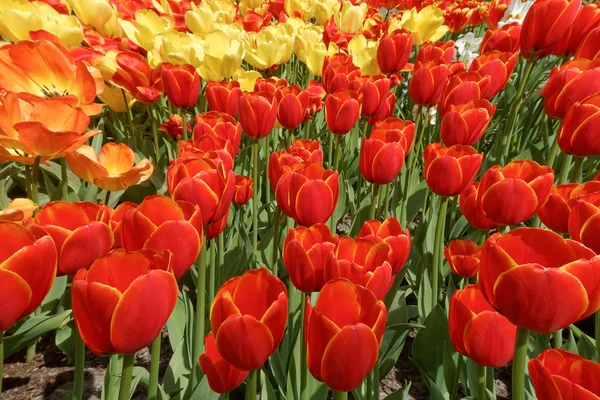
{"type": "Point", "coordinates": [19, 17]}
{"type": "Point", "coordinates": [177, 48]}
{"type": "Point", "coordinates": [351, 18]}
{"type": "Point", "coordinates": [113, 98]}
{"type": "Point", "coordinates": [425, 25]}
{"type": "Point", "coordinates": [246, 5]}
{"type": "Point", "coordinates": [223, 54]}
{"type": "Point", "coordinates": [304, 8]}
{"type": "Point", "coordinates": [246, 79]}
{"type": "Point", "coordinates": [271, 46]}
{"type": "Point", "coordinates": [310, 49]}
{"type": "Point", "coordinates": [147, 26]}
{"type": "Point", "coordinates": [364, 54]}
{"type": "Point", "coordinates": [202, 19]}
{"type": "Point", "coordinates": [96, 13]}
{"type": "Point", "coordinates": [325, 9]}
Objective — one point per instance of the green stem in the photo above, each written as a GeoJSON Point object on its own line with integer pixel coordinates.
{"type": "Point", "coordinates": [1, 360]}
{"type": "Point", "coordinates": [577, 169]}
{"type": "Point", "coordinates": [154, 133]}
{"type": "Point", "coordinates": [126, 374]}
{"type": "Point", "coordinates": [564, 170]}
{"type": "Point", "coordinates": [384, 201]}
{"type": "Point", "coordinates": [275, 260]}
{"type": "Point", "coordinates": [79, 366]}
{"type": "Point", "coordinates": [28, 181]}
{"type": "Point", "coordinates": [64, 182]}
{"type": "Point", "coordinates": [34, 181]}
{"type": "Point", "coordinates": [112, 372]}
{"type": "Point", "coordinates": [481, 383]}
{"type": "Point", "coordinates": [437, 251]}
{"type": "Point", "coordinates": [303, 355]}
{"type": "Point", "coordinates": [107, 197]}
{"type": "Point", "coordinates": [221, 265]}
{"type": "Point", "coordinates": [251, 385]}
{"type": "Point", "coordinates": [338, 147]}
{"type": "Point", "coordinates": [388, 195]}
{"type": "Point", "coordinates": [339, 395]}
{"type": "Point", "coordinates": [519, 363]}
{"type": "Point", "coordinates": [255, 204]}
{"type": "Point", "coordinates": [307, 130]}
{"type": "Point", "coordinates": [212, 269]}
{"type": "Point", "coordinates": [200, 313]}
{"type": "Point", "coordinates": [132, 137]}
{"type": "Point", "coordinates": [184, 124]}
{"type": "Point", "coordinates": [330, 153]}
{"type": "Point", "coordinates": [558, 338]}
{"type": "Point", "coordinates": [408, 169]}
{"type": "Point", "coordinates": [553, 153]}
{"type": "Point", "coordinates": [154, 367]}
{"type": "Point", "coordinates": [267, 144]}
{"type": "Point", "coordinates": [597, 333]}
{"type": "Point", "coordinates": [374, 202]}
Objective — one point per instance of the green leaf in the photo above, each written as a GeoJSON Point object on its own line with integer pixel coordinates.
{"type": "Point", "coordinates": [32, 329]}
{"type": "Point", "coordinates": [56, 293]}
{"type": "Point", "coordinates": [203, 392]}
{"type": "Point", "coordinates": [401, 394]}
{"type": "Point", "coordinates": [54, 169]}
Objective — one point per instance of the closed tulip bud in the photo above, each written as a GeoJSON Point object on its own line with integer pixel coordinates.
{"type": "Point", "coordinates": [27, 271]}
{"type": "Point", "coordinates": [512, 194]}
{"type": "Point", "coordinates": [432, 51]}
{"type": "Point", "coordinates": [588, 18]}
{"type": "Point", "coordinates": [394, 50]}
{"type": "Point", "coordinates": [466, 123]}
{"type": "Point", "coordinates": [428, 81]}
{"type": "Point", "coordinates": [18, 210]}
{"type": "Point", "coordinates": [79, 239]}
{"type": "Point", "coordinates": [555, 213]}
{"type": "Point", "coordinates": [374, 91]}
{"type": "Point", "coordinates": [223, 97]}
{"type": "Point", "coordinates": [123, 301]}
{"type": "Point", "coordinates": [504, 39]}
{"type": "Point", "coordinates": [258, 113]}
{"type": "Point", "coordinates": [590, 46]}
{"type": "Point", "coordinates": [463, 257]}
{"type": "Point", "coordinates": [462, 88]}
{"type": "Point", "coordinates": [173, 127]}
{"type": "Point", "coordinates": [308, 195]}
{"type": "Point", "coordinates": [570, 83]}
{"type": "Point", "coordinates": [557, 374]}
{"type": "Point", "coordinates": [478, 331]}
{"type": "Point", "coordinates": [390, 232]}
{"type": "Point", "coordinates": [343, 335]}
{"type": "Point", "coordinates": [292, 103]}
{"type": "Point", "coordinates": [222, 127]}
{"type": "Point", "coordinates": [342, 110]}
{"type": "Point", "coordinates": [305, 253]}
{"type": "Point", "coordinates": [338, 72]}
{"type": "Point", "coordinates": [244, 187]}
{"type": "Point", "coordinates": [135, 75]}
{"type": "Point", "coordinates": [578, 131]}
{"type": "Point", "coordinates": [449, 170]}
{"type": "Point", "coordinates": [470, 209]}
{"type": "Point", "coordinates": [528, 273]}
{"type": "Point", "coordinates": [221, 375]}
{"type": "Point", "coordinates": [292, 158]}
{"type": "Point", "coordinates": [539, 33]}
{"type": "Point", "coordinates": [248, 318]}
{"type": "Point", "coordinates": [498, 66]}
{"type": "Point", "coordinates": [382, 154]}
{"type": "Point", "coordinates": [160, 223]}
{"type": "Point", "coordinates": [181, 83]}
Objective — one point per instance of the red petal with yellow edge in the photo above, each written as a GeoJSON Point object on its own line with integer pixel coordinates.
{"type": "Point", "coordinates": [588, 273]}
{"type": "Point", "coordinates": [509, 202]}
{"type": "Point", "coordinates": [299, 266]}
{"type": "Point", "coordinates": [63, 214]}
{"type": "Point", "coordinates": [116, 158]}
{"type": "Point", "coordinates": [377, 256]}
{"type": "Point", "coordinates": [15, 295]}
{"type": "Point", "coordinates": [540, 299]}
{"type": "Point", "coordinates": [159, 209]}
{"type": "Point", "coordinates": [585, 374]}
{"type": "Point", "coordinates": [93, 308]}
{"type": "Point", "coordinates": [349, 357]}
{"type": "Point", "coordinates": [135, 230]}
{"type": "Point", "coordinates": [380, 281]}
{"type": "Point", "coordinates": [494, 262]}
{"type": "Point", "coordinates": [580, 214]}
{"type": "Point", "coordinates": [490, 339]}
{"type": "Point", "coordinates": [387, 163]}
{"type": "Point", "coordinates": [544, 385]}
{"type": "Point", "coordinates": [314, 203]}
{"type": "Point", "coordinates": [536, 245]}
{"type": "Point", "coordinates": [571, 391]}
{"type": "Point", "coordinates": [276, 318]}
{"type": "Point", "coordinates": [119, 269]}
{"type": "Point", "coordinates": [590, 232]}
{"type": "Point", "coordinates": [319, 331]}
{"type": "Point", "coordinates": [221, 309]}
{"type": "Point", "coordinates": [256, 291]}
{"type": "Point", "coordinates": [14, 237]}
{"type": "Point", "coordinates": [444, 176]}
{"type": "Point", "coordinates": [196, 191]}
{"type": "Point", "coordinates": [221, 375]}
{"type": "Point", "coordinates": [459, 315]}
{"type": "Point", "coordinates": [245, 342]}
{"type": "Point", "coordinates": [143, 310]}
{"type": "Point", "coordinates": [84, 246]}
{"type": "Point", "coordinates": [181, 239]}
{"type": "Point", "coordinates": [339, 302]}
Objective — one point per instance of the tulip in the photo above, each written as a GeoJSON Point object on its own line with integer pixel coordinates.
{"type": "Point", "coordinates": [248, 318]}
{"type": "Point", "coordinates": [217, 150]}
{"type": "Point", "coordinates": [305, 253]}
{"type": "Point", "coordinates": [449, 170]}
{"type": "Point", "coordinates": [342, 110]}
{"type": "Point", "coordinates": [504, 39]}
{"type": "Point", "coordinates": [27, 271]}
{"type": "Point", "coordinates": [555, 213]}
{"type": "Point", "coordinates": [540, 33]}
{"type": "Point", "coordinates": [393, 51]}
{"type": "Point", "coordinates": [512, 194]}
{"type": "Point", "coordinates": [478, 331]}
{"type": "Point", "coordinates": [135, 75]}
{"type": "Point", "coordinates": [310, 48]}
{"type": "Point", "coordinates": [18, 210]}
{"type": "Point", "coordinates": [590, 46]}
{"type": "Point", "coordinates": [309, 195]}
{"type": "Point", "coordinates": [466, 123]}
{"type": "Point", "coordinates": [244, 187]}
{"type": "Point", "coordinates": [181, 83]}
{"type": "Point", "coordinates": [122, 302]}
{"type": "Point", "coordinates": [578, 131]}
{"type": "Point", "coordinates": [588, 18]}
{"type": "Point", "coordinates": [258, 113]}
{"type": "Point", "coordinates": [173, 127]}
{"type": "Point", "coordinates": [254, 22]}
{"type": "Point", "coordinates": [374, 90]}
{"type": "Point", "coordinates": [113, 98]}
{"type": "Point", "coordinates": [528, 273]}
{"type": "Point", "coordinates": [385, 109]}
{"type": "Point", "coordinates": [462, 88]}
{"type": "Point", "coordinates": [216, 228]}
{"type": "Point", "coordinates": [292, 158]}
{"type": "Point", "coordinates": [292, 105]}
{"type": "Point", "coordinates": [79, 239]}
{"type": "Point", "coordinates": [115, 221]}
{"type": "Point", "coordinates": [557, 374]}
{"type": "Point", "coordinates": [113, 169]}
{"type": "Point", "coordinates": [222, 376]}
{"type": "Point", "coordinates": [204, 183]}
{"type": "Point", "coordinates": [470, 209]}
{"type": "Point", "coordinates": [273, 45]}
{"type": "Point", "coordinates": [583, 219]}
{"type": "Point", "coordinates": [222, 127]}
{"type": "Point", "coordinates": [160, 223]}
{"type": "Point", "coordinates": [223, 97]}
{"type": "Point", "coordinates": [463, 257]}
{"type": "Point", "coordinates": [432, 51]}
{"type": "Point", "coordinates": [390, 232]}
{"type": "Point", "coordinates": [427, 24]}
{"type": "Point", "coordinates": [343, 335]}
{"type": "Point", "coordinates": [570, 83]}
{"type": "Point", "coordinates": [498, 66]}
{"type": "Point", "coordinates": [428, 81]}
{"type": "Point", "coordinates": [338, 72]}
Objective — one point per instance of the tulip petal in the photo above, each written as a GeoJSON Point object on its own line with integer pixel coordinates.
{"type": "Point", "coordinates": [490, 339]}
{"type": "Point", "coordinates": [222, 308]}
{"type": "Point", "coordinates": [84, 246]}
{"type": "Point", "coordinates": [544, 385]}
{"type": "Point", "coordinates": [159, 209]}
{"type": "Point", "coordinates": [15, 295]}
{"type": "Point", "coordinates": [588, 273]}
{"type": "Point", "coordinates": [509, 202]}
{"type": "Point", "coordinates": [276, 318]}
{"type": "Point", "coordinates": [136, 228]}
{"type": "Point", "coordinates": [118, 269]}
{"type": "Point", "coordinates": [571, 391]}
{"type": "Point", "coordinates": [314, 203]}
{"type": "Point", "coordinates": [15, 237]}
{"type": "Point", "coordinates": [245, 342]}
{"type": "Point", "coordinates": [339, 302]}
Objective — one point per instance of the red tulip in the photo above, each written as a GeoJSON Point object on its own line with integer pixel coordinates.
{"type": "Point", "coordinates": [546, 22]}
{"type": "Point", "coordinates": [528, 275]}
{"type": "Point", "coordinates": [316, 93]}
{"type": "Point", "coordinates": [512, 194]}
{"type": "Point", "coordinates": [498, 66]}
{"type": "Point", "coordinates": [428, 81]}
{"type": "Point", "coordinates": [223, 97]}
{"type": "Point", "coordinates": [173, 127]}
{"type": "Point", "coordinates": [254, 22]}
{"type": "Point", "coordinates": [470, 209]}
{"type": "Point", "coordinates": [248, 318]}
{"type": "Point", "coordinates": [222, 127]}
{"type": "Point", "coordinates": [394, 50]}
{"type": "Point", "coordinates": [342, 110]}
{"type": "Point", "coordinates": [478, 331]}
{"type": "Point", "coordinates": [79, 239]}
{"type": "Point", "coordinates": [27, 271]}
{"type": "Point", "coordinates": [123, 301]}
{"type": "Point", "coordinates": [590, 46]}
{"type": "Point", "coordinates": [504, 39]}
{"type": "Point", "coordinates": [557, 375]}
{"type": "Point", "coordinates": [374, 90]}
{"type": "Point", "coordinates": [588, 18]}
{"type": "Point", "coordinates": [222, 376]}
{"type": "Point", "coordinates": [578, 134]}
{"type": "Point", "coordinates": [583, 222]}
{"type": "Point", "coordinates": [343, 335]}
{"type": "Point", "coordinates": [181, 83]}
{"type": "Point", "coordinates": [555, 213]}
{"type": "Point", "coordinates": [432, 51]}
{"type": "Point", "coordinates": [214, 229]}
{"type": "Point", "coordinates": [449, 170]}
{"type": "Point", "coordinates": [258, 113]}
{"type": "Point", "coordinates": [385, 110]}
{"type": "Point", "coordinates": [309, 195]}
{"type": "Point", "coordinates": [135, 75]}
{"type": "Point", "coordinates": [305, 253]}
{"type": "Point", "coordinates": [115, 221]}
{"type": "Point", "coordinates": [292, 104]}
{"type": "Point", "coordinates": [462, 88]}
{"type": "Point", "coordinates": [244, 187]}
{"type": "Point", "coordinates": [466, 123]}
{"type": "Point", "coordinates": [390, 232]}
{"type": "Point", "coordinates": [463, 257]}
{"type": "Point", "coordinates": [292, 158]}
{"type": "Point", "coordinates": [208, 147]}
{"type": "Point", "coordinates": [338, 72]}
{"type": "Point", "coordinates": [270, 85]}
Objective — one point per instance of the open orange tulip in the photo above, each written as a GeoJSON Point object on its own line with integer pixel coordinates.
{"type": "Point", "coordinates": [18, 210]}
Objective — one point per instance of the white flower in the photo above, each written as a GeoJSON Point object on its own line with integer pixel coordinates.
{"type": "Point", "coordinates": [516, 11]}
{"type": "Point", "coordinates": [467, 47]}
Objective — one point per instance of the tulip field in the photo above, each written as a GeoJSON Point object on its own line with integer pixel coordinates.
{"type": "Point", "coordinates": [299, 199]}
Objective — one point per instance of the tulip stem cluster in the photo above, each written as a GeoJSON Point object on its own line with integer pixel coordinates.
{"type": "Point", "coordinates": [79, 366]}
{"type": "Point", "coordinates": [132, 137]}
{"type": "Point", "coordinates": [519, 363]}
{"type": "Point", "coordinates": [577, 168]}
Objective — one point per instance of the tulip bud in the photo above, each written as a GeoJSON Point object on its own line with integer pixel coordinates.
{"type": "Point", "coordinates": [244, 187]}
{"type": "Point", "coordinates": [462, 88]}
{"type": "Point", "coordinates": [223, 97]}
{"type": "Point", "coordinates": [342, 110]}
{"type": "Point", "coordinates": [390, 232]}
{"type": "Point", "coordinates": [504, 39]}
{"type": "Point", "coordinates": [258, 113]}
{"type": "Point", "coordinates": [432, 51]}
{"type": "Point", "coordinates": [181, 83]}
{"type": "Point", "coordinates": [590, 46]}
{"type": "Point", "coordinates": [466, 123]}
{"type": "Point", "coordinates": [449, 170]}
{"type": "Point", "coordinates": [498, 66]}
{"type": "Point", "coordinates": [463, 257]}
{"type": "Point", "coordinates": [428, 81]}
{"type": "Point", "coordinates": [555, 213]}
{"type": "Point", "coordinates": [394, 50]}
{"type": "Point", "coordinates": [588, 18]}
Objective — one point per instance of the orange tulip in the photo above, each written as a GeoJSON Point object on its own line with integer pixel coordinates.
{"type": "Point", "coordinates": [433, 51]}
{"type": "Point", "coordinates": [316, 93]}
{"type": "Point", "coordinates": [394, 50]}
{"type": "Point", "coordinates": [254, 22]}
{"type": "Point", "coordinates": [123, 301]}
{"type": "Point", "coordinates": [590, 46]}
{"type": "Point", "coordinates": [248, 318]}
{"type": "Point", "coordinates": [578, 131]}
{"type": "Point", "coordinates": [449, 170]}
{"type": "Point", "coordinates": [113, 169]}
{"type": "Point", "coordinates": [338, 72]}
{"type": "Point", "coordinates": [258, 113]}
{"type": "Point", "coordinates": [504, 39]}
{"type": "Point", "coordinates": [390, 232]}
{"type": "Point", "coordinates": [116, 218]}
{"type": "Point", "coordinates": [181, 83]}
{"type": "Point", "coordinates": [244, 187]}
{"type": "Point", "coordinates": [466, 123]}
{"type": "Point", "coordinates": [462, 88]}
{"type": "Point", "coordinates": [428, 81]}
{"type": "Point", "coordinates": [222, 127]}
{"type": "Point", "coordinates": [342, 110]}
{"type": "Point", "coordinates": [588, 18]}
{"type": "Point", "coordinates": [555, 213]}
{"type": "Point", "coordinates": [343, 335]}
{"type": "Point", "coordinates": [291, 158]}
{"type": "Point", "coordinates": [292, 103]}
{"type": "Point", "coordinates": [135, 75]}
{"type": "Point", "coordinates": [223, 97]}
{"type": "Point", "coordinates": [498, 66]}
{"type": "Point", "coordinates": [18, 210]}
{"type": "Point", "coordinates": [470, 209]}
{"type": "Point", "coordinates": [27, 271]}
{"type": "Point", "coordinates": [222, 376]}
{"type": "Point", "coordinates": [463, 257]}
